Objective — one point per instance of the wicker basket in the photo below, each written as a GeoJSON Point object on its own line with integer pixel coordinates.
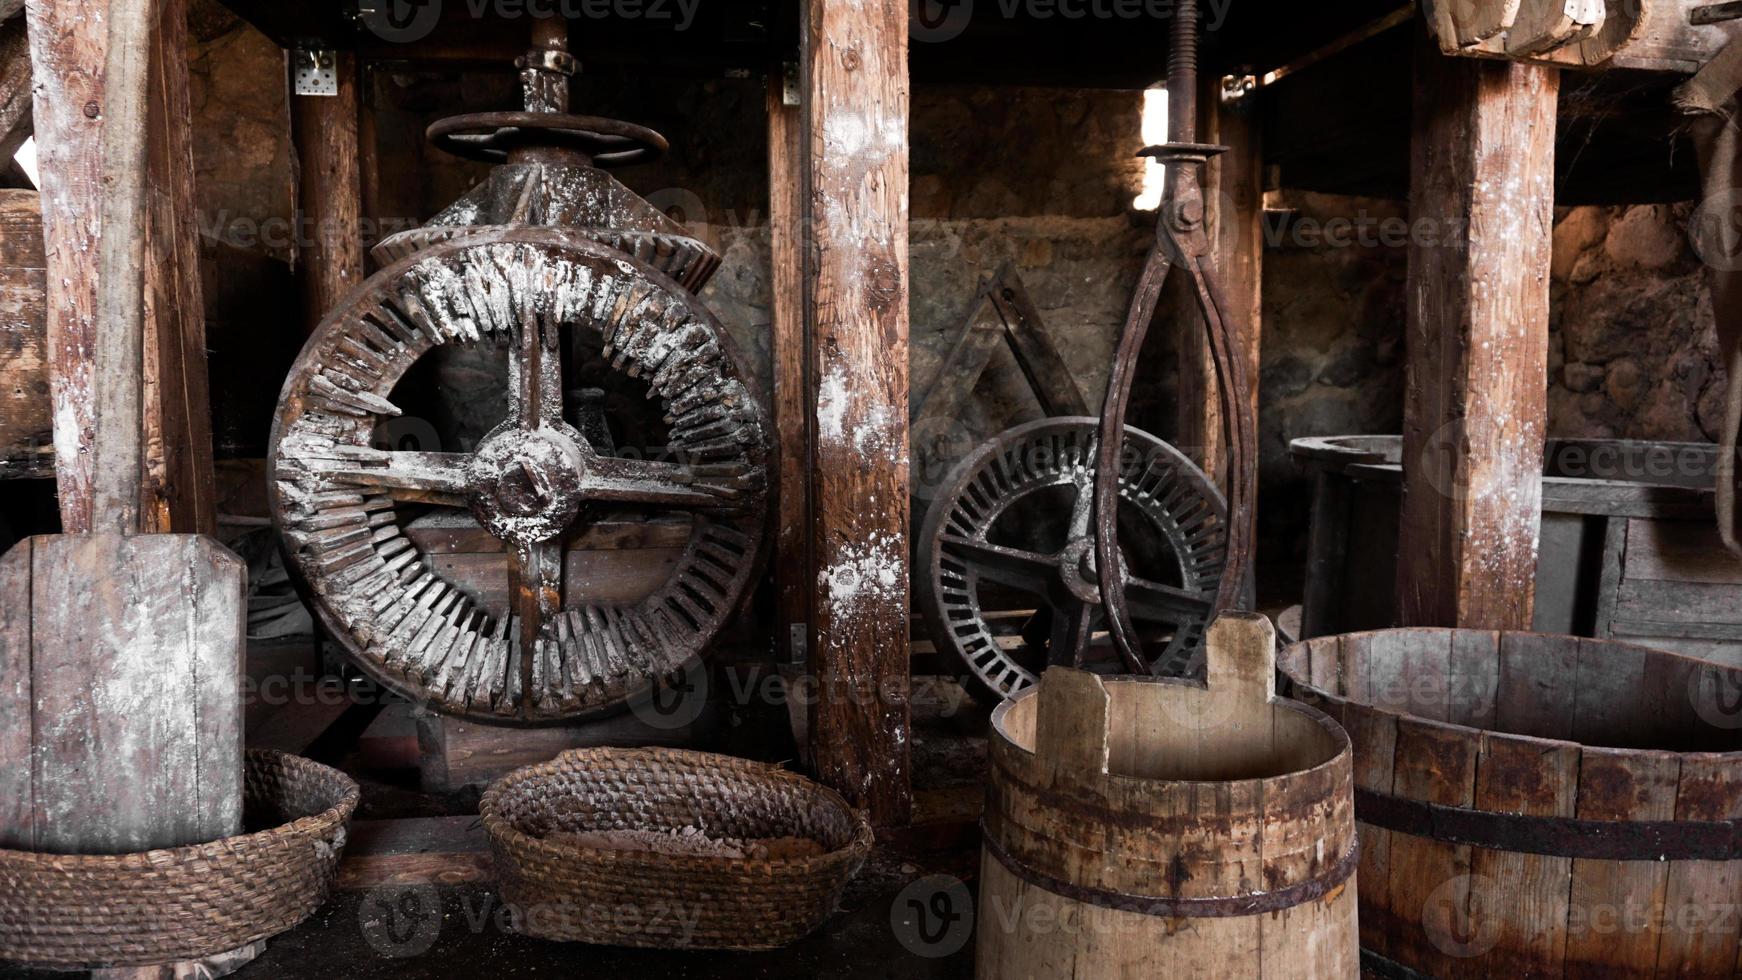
{"type": "Point", "coordinates": [187, 903]}
{"type": "Point", "coordinates": [566, 891]}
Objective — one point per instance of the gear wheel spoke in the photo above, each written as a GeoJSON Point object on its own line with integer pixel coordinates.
{"type": "Point", "coordinates": [1036, 480]}
{"type": "Point", "coordinates": [1013, 567]}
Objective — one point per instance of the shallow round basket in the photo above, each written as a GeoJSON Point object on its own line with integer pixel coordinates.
{"type": "Point", "coordinates": [566, 891]}
{"type": "Point", "coordinates": [186, 903]}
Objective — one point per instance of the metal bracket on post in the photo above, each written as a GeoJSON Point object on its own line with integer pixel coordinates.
{"type": "Point", "coordinates": [314, 71]}
{"type": "Point", "coordinates": [1237, 90]}
{"type": "Point", "coordinates": [789, 85]}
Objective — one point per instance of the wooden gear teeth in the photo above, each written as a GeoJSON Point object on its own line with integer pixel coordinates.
{"type": "Point", "coordinates": [343, 504]}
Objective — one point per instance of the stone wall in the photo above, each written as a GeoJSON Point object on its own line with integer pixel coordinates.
{"type": "Point", "coordinates": [1634, 353]}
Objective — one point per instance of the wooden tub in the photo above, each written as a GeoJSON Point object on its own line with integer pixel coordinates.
{"type": "Point", "coordinates": [1630, 548]}
{"type": "Point", "coordinates": [1538, 806]}
{"type": "Point", "coordinates": [1146, 828]}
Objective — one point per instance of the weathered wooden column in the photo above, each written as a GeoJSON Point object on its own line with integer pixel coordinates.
{"type": "Point", "coordinates": [792, 579]}
{"type": "Point", "coordinates": [855, 90]}
{"type": "Point", "coordinates": [329, 206]}
{"type": "Point", "coordinates": [66, 40]}
{"type": "Point", "coordinates": [1482, 217]}
{"type": "Point", "coordinates": [121, 652]}
{"type": "Point", "coordinates": [180, 491]}
{"type": "Point", "coordinates": [1235, 186]}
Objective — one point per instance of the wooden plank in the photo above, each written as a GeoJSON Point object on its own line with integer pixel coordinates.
{"type": "Point", "coordinates": [1474, 21]}
{"type": "Point", "coordinates": [1429, 879]}
{"type": "Point", "coordinates": [1608, 687]}
{"type": "Point", "coordinates": [1678, 551]}
{"type": "Point", "coordinates": [1234, 182]}
{"type": "Point", "coordinates": [791, 355]}
{"type": "Point", "coordinates": [1700, 926]}
{"type": "Point", "coordinates": [26, 415]}
{"type": "Point", "coordinates": [426, 850]}
{"type": "Point", "coordinates": [1482, 161]}
{"type": "Point", "coordinates": [602, 576]}
{"type": "Point", "coordinates": [179, 494]}
{"type": "Point", "coordinates": [457, 753]}
{"type": "Point", "coordinates": [1424, 659]}
{"type": "Point", "coordinates": [1475, 677]}
{"type": "Point", "coordinates": [1706, 607]}
{"type": "Point", "coordinates": [1001, 314]}
{"type": "Point", "coordinates": [952, 388]}
{"type": "Point", "coordinates": [118, 355]}
{"type": "Point", "coordinates": [1524, 898]}
{"type": "Point", "coordinates": [1049, 377]}
{"type": "Point", "coordinates": [1645, 35]}
{"type": "Point", "coordinates": [324, 137]}
{"type": "Point", "coordinates": [1545, 25]}
{"type": "Point", "coordinates": [1375, 735]}
{"type": "Point", "coordinates": [67, 48]}
{"type": "Point", "coordinates": [1327, 553]}
{"type": "Point", "coordinates": [1538, 675]}
{"type": "Point", "coordinates": [856, 305]}
{"type": "Point", "coordinates": [17, 788]}
{"type": "Point", "coordinates": [1609, 578]}
{"type": "Point", "coordinates": [135, 676]}
{"type": "Point", "coordinates": [1617, 906]}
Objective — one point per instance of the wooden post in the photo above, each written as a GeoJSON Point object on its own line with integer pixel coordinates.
{"type": "Point", "coordinates": [1235, 184]}
{"type": "Point", "coordinates": [1482, 216]}
{"type": "Point", "coordinates": [856, 294]}
{"type": "Point", "coordinates": [71, 106]}
{"type": "Point", "coordinates": [329, 214]}
{"type": "Point", "coordinates": [791, 389]}
{"type": "Point", "coordinates": [180, 491]}
{"type": "Point", "coordinates": [66, 45]}
{"type": "Point", "coordinates": [121, 651]}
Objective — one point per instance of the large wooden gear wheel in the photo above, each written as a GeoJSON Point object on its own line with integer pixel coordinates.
{"type": "Point", "coordinates": [1013, 531]}
{"type": "Point", "coordinates": [561, 641]}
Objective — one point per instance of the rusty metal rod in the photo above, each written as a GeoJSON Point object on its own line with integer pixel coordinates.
{"type": "Point", "coordinates": [1182, 75]}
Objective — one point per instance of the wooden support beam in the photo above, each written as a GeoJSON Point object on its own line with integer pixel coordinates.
{"type": "Point", "coordinates": [26, 416]}
{"type": "Point", "coordinates": [856, 307]}
{"type": "Point", "coordinates": [71, 106]}
{"type": "Point", "coordinates": [1482, 217]}
{"type": "Point", "coordinates": [1235, 185]}
{"type": "Point", "coordinates": [325, 136]}
{"type": "Point", "coordinates": [66, 50]}
{"type": "Point", "coordinates": [180, 490]}
{"type": "Point", "coordinates": [791, 356]}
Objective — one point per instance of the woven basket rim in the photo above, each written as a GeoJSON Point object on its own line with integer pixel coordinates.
{"type": "Point", "coordinates": [337, 814]}
{"type": "Point", "coordinates": [499, 828]}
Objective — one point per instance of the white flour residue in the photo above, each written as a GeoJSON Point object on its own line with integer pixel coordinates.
{"type": "Point", "coordinates": [871, 431]}
{"type": "Point", "coordinates": [832, 398]}
{"type": "Point", "coordinates": [868, 573]}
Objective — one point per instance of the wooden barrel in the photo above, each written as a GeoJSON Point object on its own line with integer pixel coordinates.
{"type": "Point", "coordinates": [1152, 828]}
{"type": "Point", "coordinates": [1538, 806]}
